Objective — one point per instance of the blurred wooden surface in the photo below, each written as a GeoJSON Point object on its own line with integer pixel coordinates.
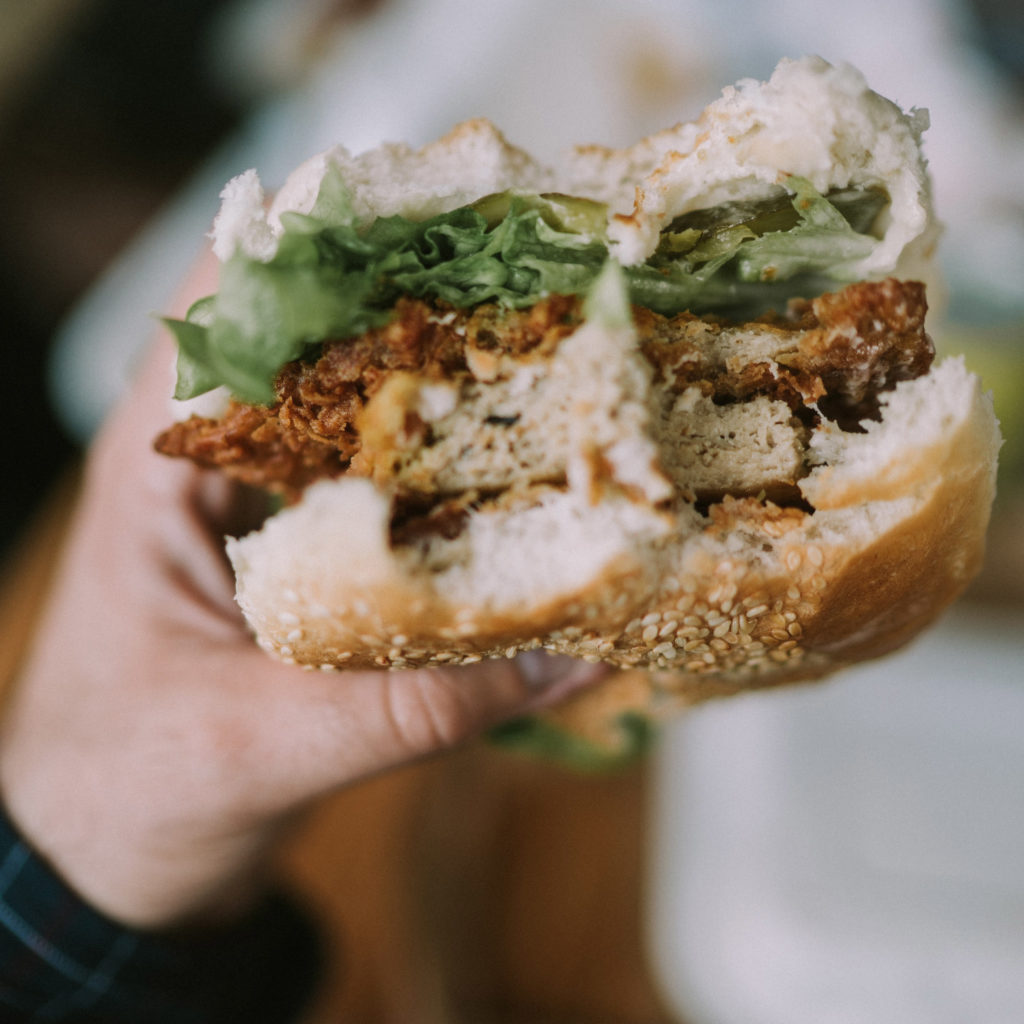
{"type": "Point", "coordinates": [476, 888]}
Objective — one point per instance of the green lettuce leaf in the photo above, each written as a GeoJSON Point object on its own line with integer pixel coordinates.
{"type": "Point", "coordinates": [822, 242]}
{"type": "Point", "coordinates": [333, 277]}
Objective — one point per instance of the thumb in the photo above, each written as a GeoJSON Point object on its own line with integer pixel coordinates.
{"type": "Point", "coordinates": [312, 732]}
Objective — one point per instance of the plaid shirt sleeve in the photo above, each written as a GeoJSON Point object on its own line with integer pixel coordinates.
{"type": "Point", "coordinates": [61, 960]}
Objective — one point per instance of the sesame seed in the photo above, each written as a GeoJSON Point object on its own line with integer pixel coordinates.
{"type": "Point", "coordinates": [793, 559]}
{"type": "Point", "coordinates": [650, 619]}
{"type": "Point", "coordinates": [669, 628]}
{"type": "Point", "coordinates": [399, 639]}
{"type": "Point", "coordinates": [290, 595]}
{"type": "Point", "coordinates": [289, 619]}
{"type": "Point", "coordinates": [793, 594]}
{"type": "Point", "coordinates": [650, 633]}
{"type": "Point", "coordinates": [295, 634]}
{"type": "Point", "coordinates": [757, 611]}
{"type": "Point", "coordinates": [816, 557]}
{"type": "Point", "coordinates": [285, 651]}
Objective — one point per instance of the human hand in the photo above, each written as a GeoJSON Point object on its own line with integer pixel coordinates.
{"type": "Point", "coordinates": [152, 752]}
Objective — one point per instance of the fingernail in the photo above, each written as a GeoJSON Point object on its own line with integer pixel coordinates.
{"type": "Point", "coordinates": [541, 670]}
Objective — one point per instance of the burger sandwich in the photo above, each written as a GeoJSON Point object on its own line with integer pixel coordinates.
{"type": "Point", "coordinates": [672, 407]}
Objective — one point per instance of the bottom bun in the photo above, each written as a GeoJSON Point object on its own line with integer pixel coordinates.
{"type": "Point", "coordinates": [744, 593]}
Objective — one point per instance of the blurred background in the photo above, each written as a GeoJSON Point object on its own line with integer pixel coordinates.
{"type": "Point", "coordinates": [119, 123]}
{"type": "Point", "coordinates": [105, 109]}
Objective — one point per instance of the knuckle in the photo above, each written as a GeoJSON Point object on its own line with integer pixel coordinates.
{"type": "Point", "coordinates": [428, 710]}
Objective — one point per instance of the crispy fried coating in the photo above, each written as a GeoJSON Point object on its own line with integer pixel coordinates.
{"type": "Point", "coordinates": [828, 356]}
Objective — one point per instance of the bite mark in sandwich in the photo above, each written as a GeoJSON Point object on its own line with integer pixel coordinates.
{"type": "Point", "coordinates": [672, 407]}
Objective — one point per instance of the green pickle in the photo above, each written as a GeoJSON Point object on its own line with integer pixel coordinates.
{"type": "Point", "coordinates": [703, 235]}
{"type": "Point", "coordinates": [565, 213]}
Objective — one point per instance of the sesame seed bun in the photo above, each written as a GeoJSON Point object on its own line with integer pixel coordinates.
{"type": "Point", "coordinates": [749, 594]}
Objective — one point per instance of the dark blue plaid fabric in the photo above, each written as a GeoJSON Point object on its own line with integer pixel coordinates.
{"type": "Point", "coordinates": [61, 960]}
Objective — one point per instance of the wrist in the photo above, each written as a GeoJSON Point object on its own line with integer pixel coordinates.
{"type": "Point", "coordinates": [116, 850]}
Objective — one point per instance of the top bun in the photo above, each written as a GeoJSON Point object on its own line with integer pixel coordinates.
{"type": "Point", "coordinates": [811, 118]}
